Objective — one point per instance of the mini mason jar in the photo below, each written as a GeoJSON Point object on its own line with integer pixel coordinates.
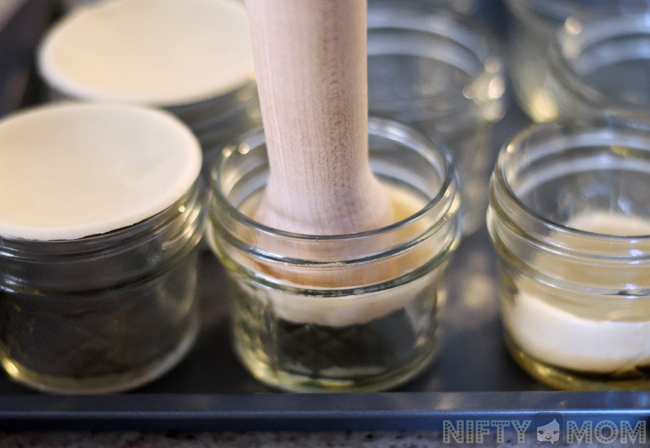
{"type": "Point", "coordinates": [442, 75]}
{"type": "Point", "coordinates": [380, 329]}
{"type": "Point", "coordinates": [191, 58]}
{"type": "Point", "coordinates": [569, 217]}
{"type": "Point", "coordinates": [89, 303]}
{"type": "Point", "coordinates": [600, 65]}
{"type": "Point", "coordinates": [466, 7]}
{"type": "Point", "coordinates": [532, 27]}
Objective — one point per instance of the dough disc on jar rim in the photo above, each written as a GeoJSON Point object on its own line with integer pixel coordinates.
{"type": "Point", "coordinates": [155, 52]}
{"type": "Point", "coordinates": [75, 170]}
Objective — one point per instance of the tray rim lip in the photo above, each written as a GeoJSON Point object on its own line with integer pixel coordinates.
{"type": "Point", "coordinates": [325, 405]}
{"type": "Point", "coordinates": [385, 411]}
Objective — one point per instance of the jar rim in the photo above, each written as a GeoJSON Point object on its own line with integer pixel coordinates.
{"type": "Point", "coordinates": [557, 10]}
{"type": "Point", "coordinates": [470, 34]}
{"type": "Point", "coordinates": [379, 126]}
{"type": "Point", "coordinates": [579, 35]}
{"type": "Point", "coordinates": [508, 151]}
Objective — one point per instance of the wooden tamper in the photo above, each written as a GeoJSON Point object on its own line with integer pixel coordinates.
{"type": "Point", "coordinates": [310, 62]}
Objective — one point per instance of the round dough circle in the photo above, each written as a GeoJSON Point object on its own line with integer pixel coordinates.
{"type": "Point", "coordinates": [154, 52]}
{"type": "Point", "coordinates": [75, 170]}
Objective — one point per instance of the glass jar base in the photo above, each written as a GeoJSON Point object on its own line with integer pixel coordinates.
{"type": "Point", "coordinates": [293, 382]}
{"type": "Point", "coordinates": [563, 379]}
{"type": "Point", "coordinates": [101, 384]}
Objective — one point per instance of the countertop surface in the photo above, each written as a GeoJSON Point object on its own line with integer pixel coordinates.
{"type": "Point", "coordinates": [234, 440]}
{"type": "Point", "coordinates": [406, 439]}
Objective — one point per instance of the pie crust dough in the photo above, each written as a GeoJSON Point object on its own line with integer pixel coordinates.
{"type": "Point", "coordinates": [74, 170]}
{"type": "Point", "coordinates": [155, 52]}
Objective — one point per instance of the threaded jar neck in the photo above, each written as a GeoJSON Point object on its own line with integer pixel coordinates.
{"type": "Point", "coordinates": [599, 63]}
{"type": "Point", "coordinates": [553, 184]}
{"type": "Point", "coordinates": [398, 155]}
{"type": "Point", "coordinates": [107, 260]}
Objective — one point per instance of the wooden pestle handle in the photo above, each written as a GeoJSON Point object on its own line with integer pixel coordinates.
{"type": "Point", "coordinates": [311, 67]}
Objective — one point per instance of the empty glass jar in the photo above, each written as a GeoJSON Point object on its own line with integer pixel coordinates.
{"type": "Point", "coordinates": [532, 27]}
{"type": "Point", "coordinates": [570, 220]}
{"type": "Point", "coordinates": [467, 7]}
{"type": "Point", "coordinates": [600, 65]}
{"type": "Point", "coordinates": [354, 312]}
{"type": "Point", "coordinates": [442, 75]}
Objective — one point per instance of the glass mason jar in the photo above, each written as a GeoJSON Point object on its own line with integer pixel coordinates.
{"type": "Point", "coordinates": [214, 121]}
{"type": "Point", "coordinates": [442, 75]}
{"type": "Point", "coordinates": [570, 221]}
{"type": "Point", "coordinates": [532, 27]}
{"type": "Point", "coordinates": [216, 107]}
{"type": "Point", "coordinates": [217, 121]}
{"type": "Point", "coordinates": [381, 328]}
{"type": "Point", "coordinates": [600, 64]}
{"type": "Point", "coordinates": [467, 7]}
{"type": "Point", "coordinates": [104, 313]}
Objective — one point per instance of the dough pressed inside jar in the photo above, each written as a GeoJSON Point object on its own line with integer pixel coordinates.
{"type": "Point", "coordinates": [155, 52]}
{"type": "Point", "coordinates": [75, 170]}
{"type": "Point", "coordinates": [355, 309]}
{"type": "Point", "coordinates": [590, 339]}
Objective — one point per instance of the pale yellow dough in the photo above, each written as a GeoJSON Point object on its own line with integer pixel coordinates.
{"type": "Point", "coordinates": [574, 341]}
{"type": "Point", "coordinates": [155, 52]}
{"type": "Point", "coordinates": [75, 170]}
{"type": "Point", "coordinates": [349, 310]}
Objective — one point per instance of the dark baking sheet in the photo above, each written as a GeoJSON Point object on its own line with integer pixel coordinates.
{"type": "Point", "coordinates": [473, 378]}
